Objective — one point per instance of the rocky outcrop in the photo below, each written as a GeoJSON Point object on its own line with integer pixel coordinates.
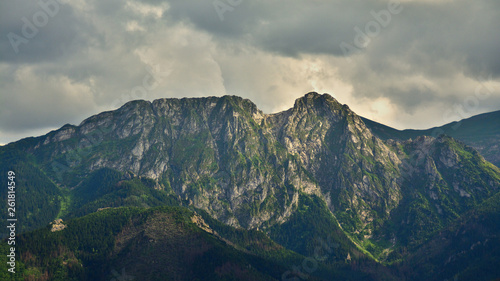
{"type": "Point", "coordinates": [198, 220]}
{"type": "Point", "coordinates": [57, 225]}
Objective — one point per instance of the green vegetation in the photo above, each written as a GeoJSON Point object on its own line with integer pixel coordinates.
{"type": "Point", "coordinates": [38, 199]}
{"type": "Point", "coordinates": [468, 249]}
{"type": "Point", "coordinates": [91, 246]}
{"type": "Point", "coordinates": [107, 188]}
{"type": "Point", "coordinates": [312, 225]}
{"type": "Point", "coordinates": [254, 241]}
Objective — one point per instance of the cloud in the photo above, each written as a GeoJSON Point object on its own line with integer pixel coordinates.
{"type": "Point", "coordinates": [50, 101]}
{"type": "Point", "coordinates": [92, 56]}
{"type": "Point", "coordinates": [30, 34]}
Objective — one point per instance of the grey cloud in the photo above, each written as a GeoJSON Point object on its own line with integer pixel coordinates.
{"type": "Point", "coordinates": [40, 101]}
{"type": "Point", "coordinates": [455, 30]}
{"type": "Point", "coordinates": [413, 97]}
{"type": "Point", "coordinates": [437, 45]}
{"type": "Point", "coordinates": [50, 36]}
{"type": "Point", "coordinates": [459, 32]}
{"type": "Point", "coordinates": [235, 24]}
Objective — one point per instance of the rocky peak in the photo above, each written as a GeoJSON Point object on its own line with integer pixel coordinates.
{"type": "Point", "coordinates": [316, 101]}
{"type": "Point", "coordinates": [313, 108]}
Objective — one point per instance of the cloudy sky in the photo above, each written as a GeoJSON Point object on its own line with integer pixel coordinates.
{"type": "Point", "coordinates": [416, 64]}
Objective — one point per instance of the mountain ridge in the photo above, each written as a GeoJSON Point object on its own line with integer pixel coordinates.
{"type": "Point", "coordinates": [480, 131]}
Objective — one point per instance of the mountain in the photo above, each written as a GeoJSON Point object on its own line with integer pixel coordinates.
{"type": "Point", "coordinates": [314, 173]}
{"type": "Point", "coordinates": [481, 132]}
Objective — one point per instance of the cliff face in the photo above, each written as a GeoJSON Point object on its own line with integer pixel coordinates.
{"type": "Point", "coordinates": [248, 169]}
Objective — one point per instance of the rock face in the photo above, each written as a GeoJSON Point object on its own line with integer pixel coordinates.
{"type": "Point", "coordinates": [248, 169]}
{"type": "Point", "coordinates": [58, 225]}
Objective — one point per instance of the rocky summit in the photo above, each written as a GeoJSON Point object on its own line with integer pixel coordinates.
{"type": "Point", "coordinates": [253, 171]}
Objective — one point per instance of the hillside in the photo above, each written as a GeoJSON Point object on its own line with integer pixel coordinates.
{"type": "Point", "coordinates": [163, 243]}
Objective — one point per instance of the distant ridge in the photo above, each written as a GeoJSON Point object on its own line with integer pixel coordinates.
{"type": "Point", "coordinates": [480, 131]}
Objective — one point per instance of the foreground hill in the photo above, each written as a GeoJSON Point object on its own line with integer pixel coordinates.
{"type": "Point", "coordinates": [157, 244]}
{"type": "Point", "coordinates": [163, 243]}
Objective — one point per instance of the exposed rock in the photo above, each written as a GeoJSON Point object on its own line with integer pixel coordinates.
{"type": "Point", "coordinates": [198, 220]}
{"type": "Point", "coordinates": [57, 225]}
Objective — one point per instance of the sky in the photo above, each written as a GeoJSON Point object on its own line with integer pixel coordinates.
{"type": "Point", "coordinates": [407, 64]}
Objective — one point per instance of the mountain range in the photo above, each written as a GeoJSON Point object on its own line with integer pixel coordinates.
{"type": "Point", "coordinates": [215, 189]}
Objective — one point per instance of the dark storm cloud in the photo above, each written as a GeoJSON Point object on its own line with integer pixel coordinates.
{"type": "Point", "coordinates": [289, 28]}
